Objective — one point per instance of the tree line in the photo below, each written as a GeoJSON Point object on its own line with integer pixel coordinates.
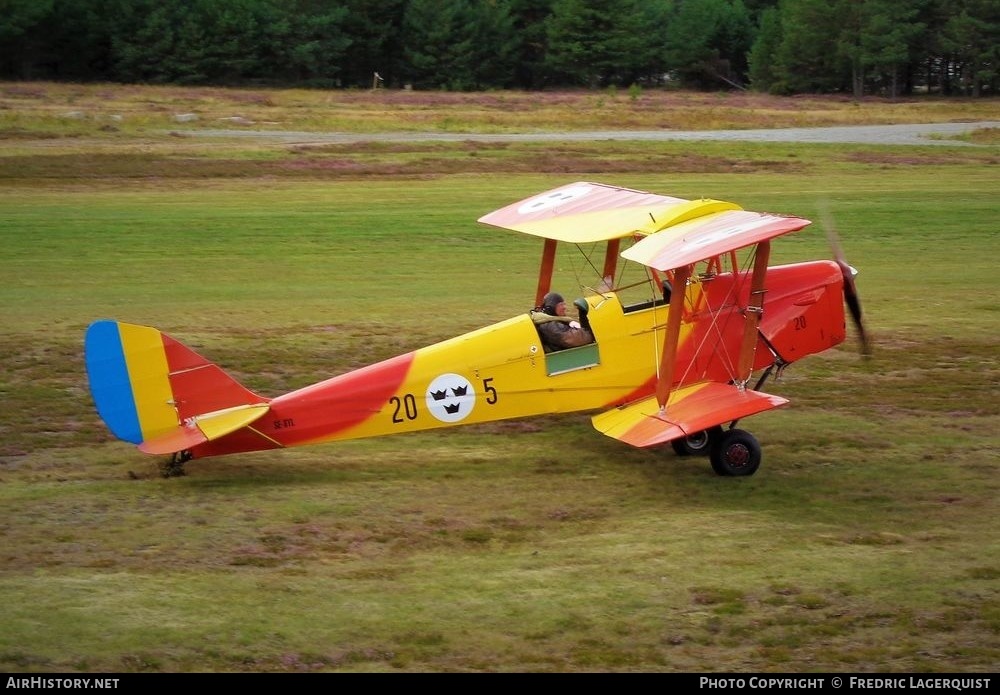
{"type": "Point", "coordinates": [889, 47]}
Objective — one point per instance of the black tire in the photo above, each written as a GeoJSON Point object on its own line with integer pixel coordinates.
{"type": "Point", "coordinates": [699, 443]}
{"type": "Point", "coordinates": [735, 453]}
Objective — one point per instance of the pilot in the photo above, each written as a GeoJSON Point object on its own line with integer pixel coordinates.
{"type": "Point", "coordinates": [557, 330]}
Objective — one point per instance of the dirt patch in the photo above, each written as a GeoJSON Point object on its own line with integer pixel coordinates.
{"type": "Point", "coordinates": [382, 161]}
{"type": "Point", "coordinates": [916, 159]}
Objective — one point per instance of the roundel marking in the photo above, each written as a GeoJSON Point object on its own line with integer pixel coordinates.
{"type": "Point", "coordinates": [450, 398]}
{"type": "Point", "coordinates": [553, 199]}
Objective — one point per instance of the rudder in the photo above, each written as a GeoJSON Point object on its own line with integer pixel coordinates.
{"type": "Point", "coordinates": [147, 385]}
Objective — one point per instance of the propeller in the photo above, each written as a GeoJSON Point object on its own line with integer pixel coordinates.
{"type": "Point", "coordinates": [851, 298]}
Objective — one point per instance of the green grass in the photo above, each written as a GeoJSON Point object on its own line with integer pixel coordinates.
{"type": "Point", "coordinates": [866, 542]}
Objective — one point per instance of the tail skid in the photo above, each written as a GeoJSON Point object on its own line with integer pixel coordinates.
{"type": "Point", "coordinates": [153, 391]}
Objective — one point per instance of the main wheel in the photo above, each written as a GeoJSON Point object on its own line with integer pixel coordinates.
{"type": "Point", "coordinates": [736, 452]}
{"type": "Point", "coordinates": [698, 444]}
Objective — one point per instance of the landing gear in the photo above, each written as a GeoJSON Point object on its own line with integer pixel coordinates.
{"type": "Point", "coordinates": [735, 453]}
{"type": "Point", "coordinates": [698, 444]}
{"type": "Point", "coordinates": [732, 452]}
{"type": "Point", "coordinates": [174, 466]}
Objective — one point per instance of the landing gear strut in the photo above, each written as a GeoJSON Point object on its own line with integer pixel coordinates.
{"type": "Point", "coordinates": [174, 466]}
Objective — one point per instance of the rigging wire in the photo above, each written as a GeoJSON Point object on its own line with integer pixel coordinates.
{"type": "Point", "coordinates": [739, 281]}
{"type": "Point", "coordinates": [587, 257]}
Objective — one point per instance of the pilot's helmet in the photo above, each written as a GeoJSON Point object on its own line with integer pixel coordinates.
{"type": "Point", "coordinates": [550, 302]}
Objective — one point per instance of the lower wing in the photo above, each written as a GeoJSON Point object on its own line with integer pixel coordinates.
{"type": "Point", "coordinates": [689, 410]}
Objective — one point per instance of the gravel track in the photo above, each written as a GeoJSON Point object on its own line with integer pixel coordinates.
{"type": "Point", "coordinates": [901, 134]}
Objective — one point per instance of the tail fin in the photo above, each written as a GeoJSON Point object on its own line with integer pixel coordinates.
{"type": "Point", "coordinates": [153, 391]}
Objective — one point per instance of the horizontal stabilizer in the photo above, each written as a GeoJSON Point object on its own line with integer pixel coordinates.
{"type": "Point", "coordinates": [204, 428]}
{"type": "Point", "coordinates": [690, 409]}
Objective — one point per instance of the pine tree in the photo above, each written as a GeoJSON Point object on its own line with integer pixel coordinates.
{"type": "Point", "coordinates": [598, 43]}
{"type": "Point", "coordinates": [374, 29]}
{"type": "Point", "coordinates": [972, 36]}
{"type": "Point", "coordinates": [808, 59]}
{"type": "Point", "coordinates": [763, 75]}
{"type": "Point", "coordinates": [22, 44]}
{"type": "Point", "coordinates": [707, 42]}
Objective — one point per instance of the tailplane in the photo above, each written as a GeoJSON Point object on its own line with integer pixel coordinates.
{"type": "Point", "coordinates": [159, 394]}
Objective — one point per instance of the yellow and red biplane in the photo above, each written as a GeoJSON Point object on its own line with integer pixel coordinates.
{"type": "Point", "coordinates": [675, 365]}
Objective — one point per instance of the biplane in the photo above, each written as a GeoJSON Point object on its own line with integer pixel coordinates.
{"type": "Point", "coordinates": [676, 343]}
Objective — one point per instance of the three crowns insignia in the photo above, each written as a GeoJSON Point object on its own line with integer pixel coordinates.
{"type": "Point", "coordinates": [443, 393]}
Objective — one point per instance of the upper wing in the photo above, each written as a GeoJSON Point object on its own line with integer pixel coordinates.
{"type": "Point", "coordinates": [709, 235]}
{"type": "Point", "coordinates": [584, 212]}
{"type": "Point", "coordinates": [690, 409]}
{"type": "Point", "coordinates": [676, 231]}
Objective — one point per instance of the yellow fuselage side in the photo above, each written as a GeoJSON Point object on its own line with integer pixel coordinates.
{"type": "Point", "coordinates": [501, 371]}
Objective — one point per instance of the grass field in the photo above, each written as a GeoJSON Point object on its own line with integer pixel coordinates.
{"type": "Point", "coordinates": [867, 542]}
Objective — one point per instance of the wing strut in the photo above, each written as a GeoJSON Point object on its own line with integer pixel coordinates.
{"type": "Point", "coordinates": [611, 260]}
{"type": "Point", "coordinates": [669, 356]}
{"type": "Point", "coordinates": [545, 272]}
{"type": "Point", "coordinates": [755, 307]}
